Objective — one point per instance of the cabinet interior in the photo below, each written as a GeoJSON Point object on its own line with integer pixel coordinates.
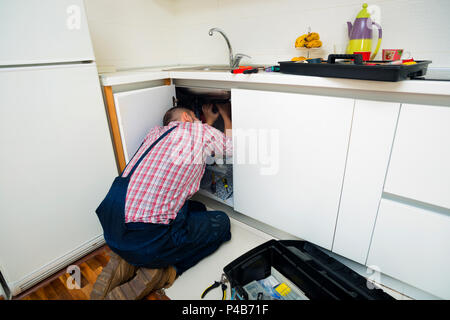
{"type": "Point", "coordinates": [217, 181]}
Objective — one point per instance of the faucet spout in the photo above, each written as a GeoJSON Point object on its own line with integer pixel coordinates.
{"type": "Point", "coordinates": [211, 32]}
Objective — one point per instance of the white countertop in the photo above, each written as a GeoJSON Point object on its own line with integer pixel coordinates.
{"type": "Point", "coordinates": [277, 78]}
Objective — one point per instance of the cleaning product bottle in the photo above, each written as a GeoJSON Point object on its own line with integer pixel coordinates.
{"type": "Point", "coordinates": [360, 33]}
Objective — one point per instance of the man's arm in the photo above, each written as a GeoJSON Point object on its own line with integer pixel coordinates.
{"type": "Point", "coordinates": [225, 112]}
{"type": "Point", "coordinates": [216, 142]}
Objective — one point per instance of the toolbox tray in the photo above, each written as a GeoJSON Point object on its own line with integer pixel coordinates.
{"type": "Point", "coordinates": [357, 70]}
{"type": "Point", "coordinates": [314, 272]}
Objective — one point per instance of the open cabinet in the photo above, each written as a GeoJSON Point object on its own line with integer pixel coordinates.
{"type": "Point", "coordinates": [137, 111]}
{"type": "Point", "coordinates": [288, 158]}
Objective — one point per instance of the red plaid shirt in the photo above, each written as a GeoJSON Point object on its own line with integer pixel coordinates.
{"type": "Point", "coordinates": [171, 172]}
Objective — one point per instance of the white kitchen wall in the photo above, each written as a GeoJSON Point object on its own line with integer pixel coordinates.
{"type": "Point", "coordinates": [136, 33]}
{"type": "Point", "coordinates": [267, 29]}
{"type": "Point", "coordinates": [132, 33]}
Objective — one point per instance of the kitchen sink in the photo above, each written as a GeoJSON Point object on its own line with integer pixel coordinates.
{"type": "Point", "coordinates": [200, 68]}
{"type": "Point", "coordinates": [210, 68]}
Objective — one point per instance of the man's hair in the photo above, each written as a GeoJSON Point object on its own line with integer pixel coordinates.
{"type": "Point", "coordinates": [173, 114]}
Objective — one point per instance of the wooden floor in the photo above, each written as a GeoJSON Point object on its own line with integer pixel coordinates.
{"type": "Point", "coordinates": [56, 289]}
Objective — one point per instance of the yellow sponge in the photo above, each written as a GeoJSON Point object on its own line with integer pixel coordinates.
{"type": "Point", "coordinates": [283, 289]}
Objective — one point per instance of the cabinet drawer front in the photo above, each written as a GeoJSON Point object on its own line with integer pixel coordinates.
{"type": "Point", "coordinates": [412, 244]}
{"type": "Point", "coordinates": [296, 180]}
{"type": "Point", "coordinates": [371, 140]}
{"type": "Point", "coordinates": [420, 163]}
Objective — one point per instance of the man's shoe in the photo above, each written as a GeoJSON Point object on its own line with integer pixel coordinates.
{"type": "Point", "coordinates": [167, 279]}
{"type": "Point", "coordinates": [116, 272]}
{"type": "Point", "coordinates": [145, 281]}
{"type": "Point", "coordinates": [171, 277]}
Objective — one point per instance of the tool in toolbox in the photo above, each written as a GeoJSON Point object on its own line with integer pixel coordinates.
{"type": "Point", "coordinates": [221, 283]}
{"type": "Point", "coordinates": [235, 295]}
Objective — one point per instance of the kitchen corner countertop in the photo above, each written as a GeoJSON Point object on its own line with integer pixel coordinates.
{"type": "Point", "coordinates": [423, 87]}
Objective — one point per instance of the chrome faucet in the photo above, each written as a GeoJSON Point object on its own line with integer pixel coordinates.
{"type": "Point", "coordinates": [234, 59]}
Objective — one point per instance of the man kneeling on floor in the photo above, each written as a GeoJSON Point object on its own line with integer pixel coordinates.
{"type": "Point", "coordinates": [154, 230]}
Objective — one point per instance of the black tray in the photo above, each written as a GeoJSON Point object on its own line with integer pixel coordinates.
{"type": "Point", "coordinates": [317, 274]}
{"type": "Point", "coordinates": [356, 70]}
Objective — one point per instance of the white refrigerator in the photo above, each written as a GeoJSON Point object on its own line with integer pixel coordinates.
{"type": "Point", "coordinates": [56, 156]}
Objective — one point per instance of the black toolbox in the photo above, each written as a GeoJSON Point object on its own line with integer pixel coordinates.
{"type": "Point", "coordinates": [356, 70]}
{"type": "Point", "coordinates": [314, 272]}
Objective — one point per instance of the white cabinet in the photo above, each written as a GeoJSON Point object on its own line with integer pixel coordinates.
{"type": "Point", "coordinates": [289, 160]}
{"type": "Point", "coordinates": [411, 239]}
{"type": "Point", "coordinates": [373, 130]}
{"type": "Point", "coordinates": [138, 111]}
{"type": "Point", "coordinates": [412, 244]}
{"type": "Point", "coordinates": [420, 163]}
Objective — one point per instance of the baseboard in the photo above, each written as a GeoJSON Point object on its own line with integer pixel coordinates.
{"type": "Point", "coordinates": [54, 266]}
{"type": "Point", "coordinates": [5, 293]}
{"type": "Point", "coordinates": [2, 294]}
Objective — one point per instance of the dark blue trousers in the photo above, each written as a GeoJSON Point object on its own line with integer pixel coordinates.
{"type": "Point", "coordinates": [194, 234]}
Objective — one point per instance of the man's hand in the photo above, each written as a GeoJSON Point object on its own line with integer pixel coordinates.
{"type": "Point", "coordinates": [225, 112]}
{"type": "Point", "coordinates": [210, 116]}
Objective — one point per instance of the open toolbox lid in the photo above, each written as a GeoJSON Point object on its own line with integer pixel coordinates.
{"type": "Point", "coordinates": [314, 272]}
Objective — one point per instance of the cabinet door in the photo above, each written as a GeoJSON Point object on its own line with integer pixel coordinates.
{"type": "Point", "coordinates": [138, 111]}
{"type": "Point", "coordinates": [371, 140]}
{"type": "Point", "coordinates": [289, 160]}
{"type": "Point", "coordinates": [420, 163]}
{"type": "Point", "coordinates": [412, 244]}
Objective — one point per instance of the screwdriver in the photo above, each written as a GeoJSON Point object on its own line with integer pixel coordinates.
{"type": "Point", "coordinates": [247, 71]}
{"type": "Point", "coordinates": [213, 183]}
{"type": "Point", "coordinates": [225, 184]}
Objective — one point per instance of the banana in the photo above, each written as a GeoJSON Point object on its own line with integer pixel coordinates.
{"type": "Point", "coordinates": [312, 36]}
{"type": "Point", "coordinates": [308, 40]}
{"type": "Point", "coordinates": [298, 58]}
{"type": "Point", "coordinates": [300, 41]}
{"type": "Point", "coordinates": [314, 44]}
